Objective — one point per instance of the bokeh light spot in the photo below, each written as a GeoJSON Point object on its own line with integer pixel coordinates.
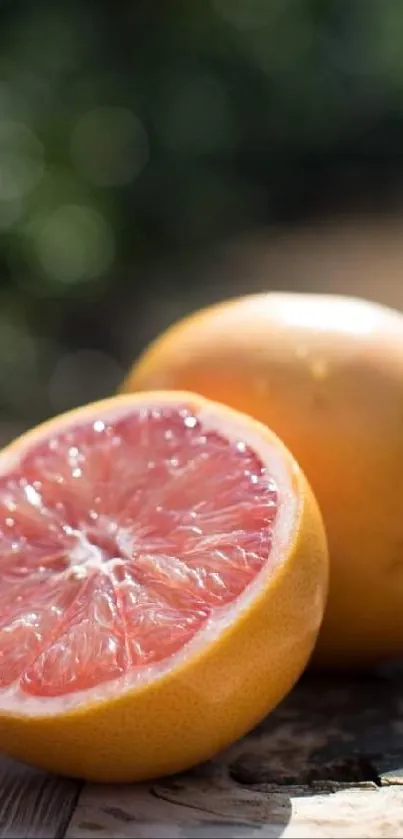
{"type": "Point", "coordinates": [21, 160]}
{"type": "Point", "coordinates": [75, 243]}
{"type": "Point", "coordinates": [248, 14]}
{"type": "Point", "coordinates": [109, 146]}
{"type": "Point", "coordinates": [10, 105]}
{"type": "Point", "coordinates": [18, 357]}
{"type": "Point", "coordinates": [10, 212]}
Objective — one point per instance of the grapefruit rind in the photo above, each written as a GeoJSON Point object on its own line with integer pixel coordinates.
{"type": "Point", "coordinates": [229, 676]}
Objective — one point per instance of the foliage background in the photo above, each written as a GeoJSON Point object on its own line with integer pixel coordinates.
{"type": "Point", "coordinates": [142, 143]}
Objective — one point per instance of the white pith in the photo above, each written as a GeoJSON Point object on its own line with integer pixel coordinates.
{"type": "Point", "coordinates": [14, 700]}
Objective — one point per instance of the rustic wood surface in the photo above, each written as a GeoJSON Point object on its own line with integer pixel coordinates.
{"type": "Point", "coordinates": [328, 762]}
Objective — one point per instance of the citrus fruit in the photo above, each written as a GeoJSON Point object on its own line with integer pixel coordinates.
{"type": "Point", "coordinates": [326, 374]}
{"type": "Point", "coordinates": [163, 575]}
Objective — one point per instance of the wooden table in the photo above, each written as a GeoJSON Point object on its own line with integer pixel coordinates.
{"type": "Point", "coordinates": [328, 762]}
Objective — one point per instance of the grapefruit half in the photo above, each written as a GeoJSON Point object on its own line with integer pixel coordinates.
{"type": "Point", "coordinates": [163, 574]}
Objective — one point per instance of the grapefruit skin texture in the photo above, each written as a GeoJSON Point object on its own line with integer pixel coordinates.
{"type": "Point", "coordinates": [210, 700]}
{"type": "Point", "coordinates": [326, 374]}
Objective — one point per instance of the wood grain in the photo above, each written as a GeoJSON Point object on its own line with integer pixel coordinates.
{"type": "Point", "coordinates": [225, 812]}
{"type": "Point", "coordinates": [328, 762]}
{"type": "Point", "coordinates": [34, 804]}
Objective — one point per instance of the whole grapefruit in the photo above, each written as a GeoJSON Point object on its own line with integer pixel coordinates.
{"type": "Point", "coordinates": [326, 374]}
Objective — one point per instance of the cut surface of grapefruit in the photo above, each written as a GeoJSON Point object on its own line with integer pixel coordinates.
{"type": "Point", "coordinates": [163, 573]}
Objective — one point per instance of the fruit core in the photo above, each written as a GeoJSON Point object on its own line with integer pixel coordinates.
{"type": "Point", "coordinates": [120, 538]}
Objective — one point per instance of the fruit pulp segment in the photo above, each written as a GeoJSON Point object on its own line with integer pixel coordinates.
{"type": "Point", "coordinates": [119, 540]}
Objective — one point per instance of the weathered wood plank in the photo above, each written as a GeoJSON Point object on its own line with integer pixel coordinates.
{"type": "Point", "coordinates": [149, 813]}
{"type": "Point", "coordinates": [326, 763]}
{"type": "Point", "coordinates": [34, 804]}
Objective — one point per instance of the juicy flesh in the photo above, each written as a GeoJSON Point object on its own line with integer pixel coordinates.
{"type": "Point", "coordinates": [119, 540]}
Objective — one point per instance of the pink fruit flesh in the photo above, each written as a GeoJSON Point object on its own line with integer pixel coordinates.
{"type": "Point", "coordinates": [119, 540]}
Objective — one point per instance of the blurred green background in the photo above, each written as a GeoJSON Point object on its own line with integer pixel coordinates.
{"type": "Point", "coordinates": [156, 156]}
